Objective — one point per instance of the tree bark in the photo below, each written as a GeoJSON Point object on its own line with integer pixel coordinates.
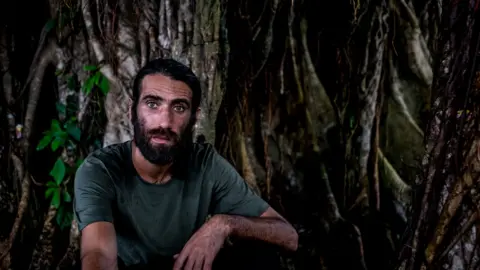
{"type": "Point", "coordinates": [324, 118]}
{"type": "Point", "coordinates": [442, 231]}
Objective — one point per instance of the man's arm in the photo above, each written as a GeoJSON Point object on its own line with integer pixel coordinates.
{"type": "Point", "coordinates": [94, 194]}
{"type": "Point", "coordinates": [270, 227]}
{"type": "Point", "coordinates": [204, 245]}
{"type": "Point", "coordinates": [99, 247]}
{"type": "Point", "coordinates": [236, 211]}
{"type": "Point", "coordinates": [244, 213]}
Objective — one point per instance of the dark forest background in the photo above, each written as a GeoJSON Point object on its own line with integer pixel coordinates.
{"type": "Point", "coordinates": [356, 120]}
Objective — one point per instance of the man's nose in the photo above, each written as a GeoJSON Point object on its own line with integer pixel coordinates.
{"type": "Point", "coordinates": [165, 117]}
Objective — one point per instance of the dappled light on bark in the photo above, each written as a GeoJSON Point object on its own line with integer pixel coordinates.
{"type": "Point", "coordinates": [442, 232]}
{"type": "Point", "coordinates": [323, 107]}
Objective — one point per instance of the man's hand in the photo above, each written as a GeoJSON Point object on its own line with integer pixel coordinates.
{"type": "Point", "coordinates": [202, 248]}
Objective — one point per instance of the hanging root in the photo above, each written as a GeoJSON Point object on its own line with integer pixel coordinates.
{"type": "Point", "coordinates": [22, 207]}
{"type": "Point", "coordinates": [147, 41]}
{"type": "Point", "coordinates": [5, 247]}
{"type": "Point", "coordinates": [163, 36]}
{"type": "Point", "coordinates": [41, 43]}
{"type": "Point", "coordinates": [343, 243]}
{"type": "Point", "coordinates": [293, 51]}
{"type": "Point", "coordinates": [245, 164]}
{"type": "Point", "coordinates": [268, 37]}
{"type": "Point", "coordinates": [128, 58]}
{"type": "Point", "coordinates": [471, 221]}
{"type": "Point", "coordinates": [436, 138]}
{"type": "Point", "coordinates": [266, 125]}
{"type": "Point", "coordinates": [461, 187]}
{"type": "Point", "coordinates": [42, 257]}
{"type": "Point", "coordinates": [70, 256]}
{"type": "Point", "coordinates": [106, 69]}
{"type": "Point", "coordinates": [45, 59]}
{"type": "Point", "coordinates": [374, 181]}
{"type": "Point", "coordinates": [18, 165]}
{"type": "Point", "coordinates": [333, 213]}
{"type": "Point", "coordinates": [418, 53]}
{"type": "Point", "coordinates": [143, 40]}
{"type": "Point", "coordinates": [318, 100]}
{"type": "Point", "coordinates": [399, 98]}
{"type": "Point", "coordinates": [391, 180]}
{"type": "Point", "coordinates": [43, 254]}
{"type": "Point", "coordinates": [369, 92]}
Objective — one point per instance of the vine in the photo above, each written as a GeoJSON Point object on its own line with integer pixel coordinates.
{"type": "Point", "coordinates": [64, 139]}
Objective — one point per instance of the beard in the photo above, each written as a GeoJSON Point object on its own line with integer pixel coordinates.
{"type": "Point", "coordinates": [161, 154]}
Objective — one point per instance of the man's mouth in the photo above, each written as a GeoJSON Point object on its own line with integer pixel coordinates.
{"type": "Point", "coordinates": [160, 139]}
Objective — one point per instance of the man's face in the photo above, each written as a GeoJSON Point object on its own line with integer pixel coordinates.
{"type": "Point", "coordinates": [162, 120]}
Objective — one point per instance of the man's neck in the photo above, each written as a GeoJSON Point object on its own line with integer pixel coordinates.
{"type": "Point", "coordinates": [148, 171]}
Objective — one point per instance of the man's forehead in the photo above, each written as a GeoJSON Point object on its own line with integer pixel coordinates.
{"type": "Point", "coordinates": [163, 86]}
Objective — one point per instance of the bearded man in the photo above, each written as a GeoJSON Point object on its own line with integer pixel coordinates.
{"type": "Point", "coordinates": [145, 203]}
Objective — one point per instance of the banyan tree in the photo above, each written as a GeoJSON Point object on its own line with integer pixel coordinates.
{"type": "Point", "coordinates": [356, 120]}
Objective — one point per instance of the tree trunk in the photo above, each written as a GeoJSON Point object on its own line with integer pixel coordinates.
{"type": "Point", "coordinates": [324, 118]}
{"type": "Point", "coordinates": [443, 229]}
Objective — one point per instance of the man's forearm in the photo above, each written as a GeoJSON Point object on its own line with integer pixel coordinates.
{"type": "Point", "coordinates": [272, 230]}
{"type": "Point", "coordinates": [96, 260]}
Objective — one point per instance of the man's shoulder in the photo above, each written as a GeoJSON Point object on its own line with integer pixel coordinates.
{"type": "Point", "coordinates": [203, 154]}
{"type": "Point", "coordinates": [111, 157]}
{"type": "Point", "coordinates": [206, 159]}
{"type": "Point", "coordinates": [103, 166]}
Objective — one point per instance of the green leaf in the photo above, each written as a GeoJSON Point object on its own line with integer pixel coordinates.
{"type": "Point", "coordinates": [57, 142]}
{"type": "Point", "coordinates": [55, 125]}
{"type": "Point", "coordinates": [88, 85]}
{"type": "Point", "coordinates": [66, 196]}
{"type": "Point", "coordinates": [104, 85]}
{"type": "Point", "coordinates": [49, 192]}
{"type": "Point", "coordinates": [72, 109]}
{"type": "Point", "coordinates": [352, 121]}
{"type": "Point", "coordinates": [67, 220]}
{"type": "Point", "coordinates": [52, 184]}
{"type": "Point", "coordinates": [98, 75]}
{"type": "Point", "coordinates": [44, 141]}
{"type": "Point", "coordinates": [71, 83]}
{"type": "Point", "coordinates": [49, 25]}
{"type": "Point", "coordinates": [61, 108]}
{"type": "Point", "coordinates": [79, 162]}
{"type": "Point", "coordinates": [89, 67]}
{"type": "Point", "coordinates": [61, 134]}
{"type": "Point", "coordinates": [56, 198]}
{"type": "Point", "coordinates": [58, 171]}
{"type": "Point", "coordinates": [60, 215]}
{"type": "Point", "coordinates": [73, 131]}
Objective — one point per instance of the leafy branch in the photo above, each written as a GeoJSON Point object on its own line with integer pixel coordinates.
{"type": "Point", "coordinates": [67, 135]}
{"type": "Point", "coordinates": [96, 79]}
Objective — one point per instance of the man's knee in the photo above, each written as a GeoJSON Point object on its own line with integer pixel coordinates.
{"type": "Point", "coordinates": [247, 254]}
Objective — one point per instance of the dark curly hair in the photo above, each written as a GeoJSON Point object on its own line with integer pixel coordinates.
{"type": "Point", "coordinates": [172, 69]}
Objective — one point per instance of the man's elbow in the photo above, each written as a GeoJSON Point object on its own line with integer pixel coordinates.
{"type": "Point", "coordinates": [292, 245]}
{"type": "Point", "coordinates": [98, 259]}
{"type": "Point", "coordinates": [291, 238]}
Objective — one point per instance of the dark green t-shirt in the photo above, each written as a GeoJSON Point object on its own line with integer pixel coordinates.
{"type": "Point", "coordinates": [153, 219]}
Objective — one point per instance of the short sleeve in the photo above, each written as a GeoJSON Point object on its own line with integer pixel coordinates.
{"type": "Point", "coordinates": [93, 193]}
{"type": "Point", "coordinates": [231, 193]}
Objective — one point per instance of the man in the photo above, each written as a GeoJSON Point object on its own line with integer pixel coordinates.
{"type": "Point", "coordinates": [149, 199]}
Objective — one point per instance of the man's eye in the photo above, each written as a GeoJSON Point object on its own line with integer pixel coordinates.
{"type": "Point", "coordinates": [151, 105]}
{"type": "Point", "coordinates": [179, 108]}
